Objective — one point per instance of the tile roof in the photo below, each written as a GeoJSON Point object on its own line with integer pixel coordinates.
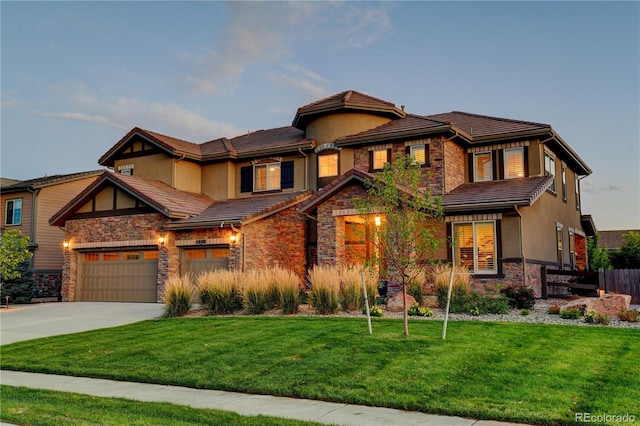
{"type": "Point", "coordinates": [411, 124]}
{"type": "Point", "coordinates": [614, 239]}
{"type": "Point", "coordinates": [279, 139]}
{"type": "Point", "coordinates": [498, 193]}
{"type": "Point", "coordinates": [352, 175]}
{"type": "Point", "coordinates": [166, 200]}
{"type": "Point", "coordinates": [477, 126]}
{"type": "Point", "coordinates": [241, 210]}
{"type": "Point", "coordinates": [349, 100]}
{"type": "Point", "coordinates": [18, 186]}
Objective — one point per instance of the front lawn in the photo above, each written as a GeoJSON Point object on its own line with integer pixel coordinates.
{"type": "Point", "coordinates": [532, 373]}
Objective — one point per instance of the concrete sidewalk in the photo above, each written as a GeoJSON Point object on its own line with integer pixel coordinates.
{"type": "Point", "coordinates": [244, 404]}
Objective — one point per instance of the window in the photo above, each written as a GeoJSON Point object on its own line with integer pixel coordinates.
{"type": "Point", "coordinates": [550, 169]}
{"type": "Point", "coordinates": [559, 245]}
{"type": "Point", "coordinates": [482, 167]}
{"type": "Point", "coordinates": [418, 154]}
{"type": "Point", "coordinates": [110, 257]}
{"type": "Point", "coordinates": [475, 246]}
{"type": "Point", "coordinates": [379, 158]}
{"type": "Point", "coordinates": [564, 183]}
{"type": "Point", "coordinates": [572, 249]}
{"type": "Point", "coordinates": [126, 169]}
{"type": "Point", "coordinates": [13, 215]}
{"type": "Point", "coordinates": [266, 177]}
{"type": "Point", "coordinates": [133, 255]}
{"type": "Point", "coordinates": [91, 257]}
{"type": "Point", "coordinates": [513, 163]}
{"type": "Point", "coordinates": [328, 165]}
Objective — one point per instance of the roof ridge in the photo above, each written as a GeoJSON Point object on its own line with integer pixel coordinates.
{"type": "Point", "coordinates": [511, 120]}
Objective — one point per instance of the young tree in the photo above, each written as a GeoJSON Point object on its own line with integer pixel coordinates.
{"type": "Point", "coordinates": [406, 238]}
{"type": "Point", "coordinates": [13, 251]}
{"type": "Point", "coordinates": [598, 256]}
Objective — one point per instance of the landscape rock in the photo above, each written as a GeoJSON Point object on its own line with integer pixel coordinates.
{"type": "Point", "coordinates": [608, 304]}
{"type": "Point", "coordinates": [394, 303]}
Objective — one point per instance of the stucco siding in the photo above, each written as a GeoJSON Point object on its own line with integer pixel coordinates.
{"type": "Point", "coordinates": [331, 127]}
{"type": "Point", "coordinates": [155, 167]}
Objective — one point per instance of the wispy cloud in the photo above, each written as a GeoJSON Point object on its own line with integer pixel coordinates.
{"type": "Point", "coordinates": [10, 100]}
{"type": "Point", "coordinates": [128, 112]}
{"type": "Point", "coordinates": [591, 188]}
{"type": "Point", "coordinates": [260, 34]}
{"type": "Point", "coordinates": [301, 79]}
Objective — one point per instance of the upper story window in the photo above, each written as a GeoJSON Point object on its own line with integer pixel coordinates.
{"type": "Point", "coordinates": [482, 166]}
{"type": "Point", "coordinates": [559, 247]}
{"type": "Point", "coordinates": [13, 215]}
{"type": "Point", "coordinates": [564, 183]}
{"type": "Point", "coordinates": [266, 177]}
{"type": "Point", "coordinates": [328, 165]}
{"type": "Point", "coordinates": [550, 169]}
{"type": "Point", "coordinates": [378, 158]}
{"type": "Point", "coordinates": [513, 163]}
{"type": "Point", "coordinates": [577, 189]}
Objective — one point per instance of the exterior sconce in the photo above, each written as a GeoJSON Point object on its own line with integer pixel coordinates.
{"type": "Point", "coordinates": [65, 245]}
{"type": "Point", "coordinates": [233, 238]}
{"type": "Point", "coordinates": [161, 240]}
{"type": "Point", "coordinates": [377, 220]}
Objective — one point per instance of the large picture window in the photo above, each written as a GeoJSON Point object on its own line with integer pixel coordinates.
{"type": "Point", "coordinates": [482, 167]}
{"type": "Point", "coordinates": [475, 246]}
{"type": "Point", "coordinates": [266, 177]}
{"type": "Point", "coordinates": [328, 165]}
{"type": "Point", "coordinates": [13, 213]}
{"type": "Point", "coordinates": [513, 163]}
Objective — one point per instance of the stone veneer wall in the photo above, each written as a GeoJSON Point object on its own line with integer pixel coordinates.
{"type": "Point", "coordinates": [277, 240]}
{"type": "Point", "coordinates": [454, 158]}
{"type": "Point", "coordinates": [512, 275]}
{"type": "Point", "coordinates": [106, 230]}
{"type": "Point", "coordinates": [47, 284]}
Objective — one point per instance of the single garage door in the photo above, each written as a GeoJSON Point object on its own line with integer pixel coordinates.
{"type": "Point", "coordinates": [118, 276]}
{"type": "Point", "coordinates": [197, 260]}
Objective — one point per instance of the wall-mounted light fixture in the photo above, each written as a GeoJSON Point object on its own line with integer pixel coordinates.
{"type": "Point", "coordinates": [65, 245]}
{"type": "Point", "coordinates": [377, 220]}
{"type": "Point", "coordinates": [233, 238]}
{"type": "Point", "coordinates": [161, 240]}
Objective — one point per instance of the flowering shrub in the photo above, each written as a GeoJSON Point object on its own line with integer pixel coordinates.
{"type": "Point", "coordinates": [419, 311]}
{"type": "Point", "coordinates": [520, 297]}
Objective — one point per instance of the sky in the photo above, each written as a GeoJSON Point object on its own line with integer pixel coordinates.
{"type": "Point", "coordinates": [77, 76]}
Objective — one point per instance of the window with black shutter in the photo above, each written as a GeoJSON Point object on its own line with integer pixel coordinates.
{"type": "Point", "coordinates": [246, 179]}
{"type": "Point", "coordinates": [286, 170]}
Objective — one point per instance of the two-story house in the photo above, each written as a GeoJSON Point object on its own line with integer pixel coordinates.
{"type": "Point", "coordinates": [27, 206]}
{"type": "Point", "coordinates": [510, 191]}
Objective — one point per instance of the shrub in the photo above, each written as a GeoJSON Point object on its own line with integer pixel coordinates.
{"type": "Point", "coordinates": [594, 318]}
{"type": "Point", "coordinates": [415, 289]}
{"type": "Point", "coordinates": [21, 288]}
{"type": "Point", "coordinates": [255, 289]}
{"type": "Point", "coordinates": [553, 310]}
{"type": "Point", "coordinates": [460, 288]}
{"type": "Point", "coordinates": [374, 311]}
{"type": "Point", "coordinates": [628, 315]}
{"type": "Point", "coordinates": [520, 297]}
{"type": "Point", "coordinates": [325, 287]}
{"type": "Point", "coordinates": [417, 310]}
{"type": "Point", "coordinates": [570, 314]}
{"type": "Point", "coordinates": [220, 291]}
{"type": "Point", "coordinates": [177, 296]}
{"type": "Point", "coordinates": [525, 312]}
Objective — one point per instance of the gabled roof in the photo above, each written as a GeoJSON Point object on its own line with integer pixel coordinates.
{"type": "Point", "coordinates": [407, 127]}
{"type": "Point", "coordinates": [278, 140]}
{"type": "Point", "coordinates": [161, 197]}
{"type": "Point", "coordinates": [496, 194]}
{"type": "Point", "coordinates": [240, 211]}
{"type": "Point", "coordinates": [342, 181]}
{"type": "Point", "coordinates": [348, 101]}
{"type": "Point", "coordinates": [41, 182]}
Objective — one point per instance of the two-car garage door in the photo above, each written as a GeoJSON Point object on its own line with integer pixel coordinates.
{"type": "Point", "coordinates": [118, 276]}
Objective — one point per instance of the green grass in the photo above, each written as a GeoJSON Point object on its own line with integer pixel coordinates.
{"type": "Point", "coordinates": [43, 407]}
{"type": "Point", "coordinates": [533, 373]}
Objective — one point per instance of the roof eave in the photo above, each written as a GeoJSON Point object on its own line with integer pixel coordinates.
{"type": "Point", "coordinates": [302, 118]}
{"type": "Point", "coordinates": [356, 140]}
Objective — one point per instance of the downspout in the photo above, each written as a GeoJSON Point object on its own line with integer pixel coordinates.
{"type": "Point", "coordinates": [34, 220]}
{"type": "Point", "coordinates": [524, 259]}
{"type": "Point", "coordinates": [173, 177]}
{"type": "Point", "coordinates": [306, 169]}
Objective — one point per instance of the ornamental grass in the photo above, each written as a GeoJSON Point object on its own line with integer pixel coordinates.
{"type": "Point", "coordinates": [220, 291]}
{"type": "Point", "coordinates": [255, 290]}
{"type": "Point", "coordinates": [351, 296]}
{"type": "Point", "coordinates": [461, 286]}
{"type": "Point", "coordinates": [324, 282]}
{"type": "Point", "coordinates": [177, 296]}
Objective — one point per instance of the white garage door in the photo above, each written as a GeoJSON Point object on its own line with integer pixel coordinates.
{"type": "Point", "coordinates": [118, 276]}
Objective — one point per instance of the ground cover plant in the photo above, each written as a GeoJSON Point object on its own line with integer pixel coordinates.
{"type": "Point", "coordinates": [44, 407]}
{"type": "Point", "coordinates": [532, 373]}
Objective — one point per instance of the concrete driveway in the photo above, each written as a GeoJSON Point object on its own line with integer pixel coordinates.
{"type": "Point", "coordinates": [25, 322]}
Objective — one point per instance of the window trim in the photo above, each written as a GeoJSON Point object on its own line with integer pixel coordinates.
{"type": "Point", "coordinates": [560, 245]}
{"type": "Point", "coordinates": [268, 186]}
{"type": "Point", "coordinates": [13, 212]}
{"type": "Point", "coordinates": [372, 158]}
{"type": "Point", "coordinates": [477, 155]}
{"type": "Point", "coordinates": [424, 148]}
{"type": "Point", "coordinates": [552, 169]}
{"type": "Point", "coordinates": [505, 165]}
{"type": "Point", "coordinates": [474, 224]}
{"type": "Point", "coordinates": [577, 190]}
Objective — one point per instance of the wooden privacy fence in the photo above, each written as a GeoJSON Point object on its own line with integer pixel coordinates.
{"type": "Point", "coordinates": [623, 281]}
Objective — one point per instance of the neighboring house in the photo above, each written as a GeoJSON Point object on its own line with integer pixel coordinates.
{"type": "Point", "coordinates": [510, 192]}
{"type": "Point", "coordinates": [613, 240]}
{"type": "Point", "coordinates": [28, 205]}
